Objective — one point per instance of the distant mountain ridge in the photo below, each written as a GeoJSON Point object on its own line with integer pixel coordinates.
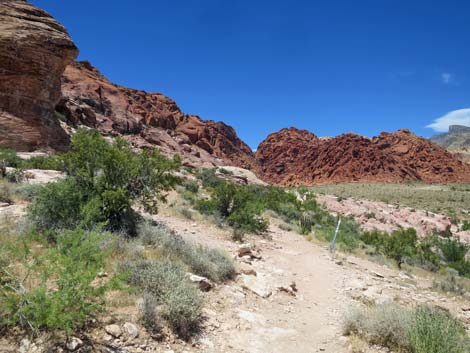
{"type": "Point", "coordinates": [456, 140]}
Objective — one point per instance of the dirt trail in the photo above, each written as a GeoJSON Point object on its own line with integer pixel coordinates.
{"type": "Point", "coordinates": [308, 322]}
{"type": "Point", "coordinates": [238, 320]}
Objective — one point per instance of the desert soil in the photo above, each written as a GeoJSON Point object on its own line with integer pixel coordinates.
{"type": "Point", "coordinates": [273, 320]}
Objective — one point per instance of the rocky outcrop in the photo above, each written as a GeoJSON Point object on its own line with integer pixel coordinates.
{"type": "Point", "coordinates": [147, 120]}
{"type": "Point", "coordinates": [34, 51]}
{"type": "Point", "coordinates": [297, 157]}
{"type": "Point", "coordinates": [457, 141]}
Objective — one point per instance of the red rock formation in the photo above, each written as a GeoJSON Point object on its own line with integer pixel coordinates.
{"type": "Point", "coordinates": [34, 51]}
{"type": "Point", "coordinates": [148, 119]}
{"type": "Point", "coordinates": [295, 157]}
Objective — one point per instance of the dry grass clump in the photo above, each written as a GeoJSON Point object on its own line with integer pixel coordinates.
{"type": "Point", "coordinates": [168, 294]}
{"type": "Point", "coordinates": [214, 264]}
{"type": "Point", "coordinates": [424, 329]}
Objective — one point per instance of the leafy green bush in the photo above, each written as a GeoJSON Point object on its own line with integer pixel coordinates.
{"type": "Point", "coordinates": [237, 205]}
{"type": "Point", "coordinates": [453, 251]}
{"type": "Point", "coordinates": [65, 293]}
{"type": "Point", "coordinates": [208, 178]}
{"type": "Point", "coordinates": [166, 286]}
{"type": "Point", "coordinates": [103, 180]}
{"type": "Point", "coordinates": [434, 330]}
{"type": "Point", "coordinates": [191, 186]}
{"type": "Point", "coordinates": [15, 176]}
{"type": "Point", "coordinates": [424, 329]}
{"type": "Point", "coordinates": [401, 245]}
{"type": "Point", "coordinates": [9, 158]}
{"type": "Point", "coordinates": [466, 226]}
{"type": "Point", "coordinates": [58, 206]}
{"type": "Point", "coordinates": [44, 162]}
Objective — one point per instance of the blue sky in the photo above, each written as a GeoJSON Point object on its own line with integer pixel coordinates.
{"type": "Point", "coordinates": [331, 67]}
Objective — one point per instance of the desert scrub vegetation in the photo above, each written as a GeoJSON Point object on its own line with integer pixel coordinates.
{"type": "Point", "coordinates": [168, 295]}
{"type": "Point", "coordinates": [103, 181]}
{"type": "Point", "coordinates": [452, 283]}
{"type": "Point", "coordinates": [423, 329]}
{"type": "Point", "coordinates": [52, 286]}
{"type": "Point", "coordinates": [243, 207]}
{"type": "Point", "coordinates": [431, 253]}
{"type": "Point", "coordinates": [213, 264]}
{"type": "Point", "coordinates": [452, 200]}
{"type": "Point", "coordinates": [9, 158]}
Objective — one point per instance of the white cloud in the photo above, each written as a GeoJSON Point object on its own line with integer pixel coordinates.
{"type": "Point", "coordinates": [447, 78]}
{"type": "Point", "coordinates": [455, 117]}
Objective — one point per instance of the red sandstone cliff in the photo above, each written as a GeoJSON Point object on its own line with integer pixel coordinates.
{"type": "Point", "coordinates": [147, 120]}
{"type": "Point", "coordinates": [34, 51]}
{"type": "Point", "coordinates": [295, 157]}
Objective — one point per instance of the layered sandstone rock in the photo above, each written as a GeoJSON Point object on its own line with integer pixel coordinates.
{"type": "Point", "coordinates": [294, 157]}
{"type": "Point", "coordinates": [34, 51]}
{"type": "Point", "coordinates": [147, 120]}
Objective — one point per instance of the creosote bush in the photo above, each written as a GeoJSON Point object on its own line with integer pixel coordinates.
{"type": "Point", "coordinates": [103, 180]}
{"type": "Point", "coordinates": [429, 253]}
{"type": "Point", "coordinates": [242, 207]}
{"type": "Point", "coordinates": [56, 288]}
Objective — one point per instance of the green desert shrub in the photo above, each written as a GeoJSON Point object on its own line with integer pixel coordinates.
{"type": "Point", "coordinates": [401, 245]}
{"type": "Point", "coordinates": [424, 329]}
{"type": "Point", "coordinates": [55, 162]}
{"type": "Point", "coordinates": [434, 330]}
{"type": "Point", "coordinates": [191, 186]}
{"type": "Point", "coordinates": [9, 158]}
{"type": "Point", "coordinates": [168, 290]}
{"type": "Point", "coordinates": [61, 293]}
{"type": "Point", "coordinates": [103, 180]}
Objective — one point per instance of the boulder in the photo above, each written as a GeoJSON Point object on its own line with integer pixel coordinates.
{"type": "Point", "coordinates": [130, 330]}
{"type": "Point", "coordinates": [34, 51]}
{"type": "Point", "coordinates": [114, 330]}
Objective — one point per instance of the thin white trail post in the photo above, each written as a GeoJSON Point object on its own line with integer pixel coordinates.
{"type": "Point", "coordinates": [332, 244]}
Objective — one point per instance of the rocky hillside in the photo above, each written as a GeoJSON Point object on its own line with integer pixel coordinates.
{"type": "Point", "coordinates": [34, 51]}
{"type": "Point", "coordinates": [295, 157]}
{"type": "Point", "coordinates": [457, 140]}
{"type": "Point", "coordinates": [44, 96]}
{"type": "Point", "coordinates": [147, 120]}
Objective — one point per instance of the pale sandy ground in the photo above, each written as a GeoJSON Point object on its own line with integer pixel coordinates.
{"type": "Point", "coordinates": [240, 321]}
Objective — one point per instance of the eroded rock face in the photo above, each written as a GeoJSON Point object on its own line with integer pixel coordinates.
{"type": "Point", "coordinates": [34, 51]}
{"type": "Point", "coordinates": [148, 120]}
{"type": "Point", "coordinates": [295, 157]}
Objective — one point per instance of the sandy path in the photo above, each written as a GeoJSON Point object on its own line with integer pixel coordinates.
{"type": "Point", "coordinates": [309, 322]}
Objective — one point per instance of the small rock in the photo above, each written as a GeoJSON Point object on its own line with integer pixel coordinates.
{"type": "Point", "coordinates": [203, 283]}
{"type": "Point", "coordinates": [244, 249]}
{"type": "Point", "coordinates": [74, 343]}
{"type": "Point", "coordinates": [377, 274]}
{"type": "Point", "coordinates": [114, 330]}
{"type": "Point", "coordinates": [246, 269]}
{"type": "Point", "coordinates": [24, 345]}
{"type": "Point", "coordinates": [256, 285]}
{"type": "Point", "coordinates": [131, 331]}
